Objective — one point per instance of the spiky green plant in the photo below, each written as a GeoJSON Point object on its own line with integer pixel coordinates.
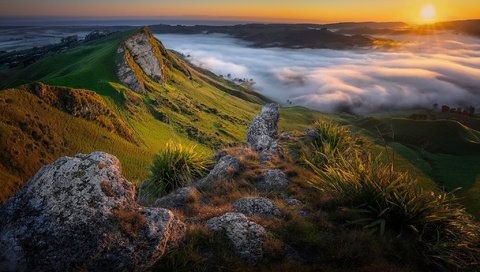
{"type": "Point", "coordinates": [331, 140]}
{"type": "Point", "coordinates": [174, 167]}
{"type": "Point", "coordinates": [384, 199]}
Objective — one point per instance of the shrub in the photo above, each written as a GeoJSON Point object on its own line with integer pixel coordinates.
{"type": "Point", "coordinates": [174, 167]}
{"type": "Point", "coordinates": [384, 199]}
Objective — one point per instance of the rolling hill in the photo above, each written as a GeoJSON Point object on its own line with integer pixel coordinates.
{"type": "Point", "coordinates": [75, 101]}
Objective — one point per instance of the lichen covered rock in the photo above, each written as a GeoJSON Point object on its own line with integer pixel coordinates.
{"type": "Point", "coordinates": [262, 133]}
{"type": "Point", "coordinates": [247, 237]}
{"type": "Point", "coordinates": [259, 206]}
{"type": "Point", "coordinates": [79, 213]}
{"type": "Point", "coordinates": [126, 74]}
{"type": "Point", "coordinates": [142, 52]}
{"type": "Point", "coordinates": [226, 168]}
{"type": "Point", "coordinates": [273, 180]}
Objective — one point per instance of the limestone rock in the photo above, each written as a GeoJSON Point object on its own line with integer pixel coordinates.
{"type": "Point", "coordinates": [79, 213]}
{"type": "Point", "coordinates": [262, 133]}
{"type": "Point", "coordinates": [142, 52]}
{"type": "Point", "coordinates": [247, 237]}
{"type": "Point", "coordinates": [226, 167]}
{"type": "Point", "coordinates": [178, 198]}
{"type": "Point", "coordinates": [256, 206]}
{"type": "Point", "coordinates": [126, 75]}
{"type": "Point", "coordinates": [273, 180]}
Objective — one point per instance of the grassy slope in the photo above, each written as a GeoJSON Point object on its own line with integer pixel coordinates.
{"type": "Point", "coordinates": [443, 152]}
{"type": "Point", "coordinates": [92, 66]}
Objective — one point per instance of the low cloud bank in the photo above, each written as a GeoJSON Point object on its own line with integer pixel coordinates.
{"type": "Point", "coordinates": [442, 69]}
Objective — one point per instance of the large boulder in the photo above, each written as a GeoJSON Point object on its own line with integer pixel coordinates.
{"type": "Point", "coordinates": [259, 206]}
{"type": "Point", "coordinates": [247, 237]}
{"type": "Point", "coordinates": [225, 169]}
{"type": "Point", "coordinates": [273, 180]}
{"type": "Point", "coordinates": [262, 133]}
{"type": "Point", "coordinates": [79, 213]}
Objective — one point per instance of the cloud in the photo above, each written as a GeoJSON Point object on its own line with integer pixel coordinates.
{"type": "Point", "coordinates": [442, 69]}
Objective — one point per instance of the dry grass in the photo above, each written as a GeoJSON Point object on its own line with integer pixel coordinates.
{"type": "Point", "coordinates": [130, 221]}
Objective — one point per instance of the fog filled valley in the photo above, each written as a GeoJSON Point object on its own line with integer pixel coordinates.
{"type": "Point", "coordinates": [442, 68]}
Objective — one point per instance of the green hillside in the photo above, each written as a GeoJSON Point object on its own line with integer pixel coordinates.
{"type": "Point", "coordinates": [192, 107]}
{"type": "Point", "coordinates": [444, 151]}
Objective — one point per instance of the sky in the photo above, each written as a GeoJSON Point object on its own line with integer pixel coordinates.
{"type": "Point", "coordinates": [268, 10]}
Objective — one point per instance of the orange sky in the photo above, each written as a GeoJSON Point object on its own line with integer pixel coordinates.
{"type": "Point", "coordinates": [302, 10]}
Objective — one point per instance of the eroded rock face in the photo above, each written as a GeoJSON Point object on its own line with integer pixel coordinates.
{"type": "Point", "coordinates": [247, 237]}
{"type": "Point", "coordinates": [226, 167]}
{"type": "Point", "coordinates": [142, 52]}
{"type": "Point", "coordinates": [273, 180]}
{"type": "Point", "coordinates": [259, 206]}
{"type": "Point", "coordinates": [80, 213]}
{"type": "Point", "coordinates": [125, 73]}
{"type": "Point", "coordinates": [262, 133]}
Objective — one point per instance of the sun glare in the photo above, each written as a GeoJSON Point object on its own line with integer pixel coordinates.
{"type": "Point", "coordinates": [428, 13]}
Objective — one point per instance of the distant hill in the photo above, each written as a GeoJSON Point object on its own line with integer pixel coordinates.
{"type": "Point", "coordinates": [278, 35]}
{"type": "Point", "coordinates": [466, 27]}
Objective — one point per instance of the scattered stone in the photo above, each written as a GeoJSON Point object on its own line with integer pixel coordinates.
{"type": "Point", "coordinates": [256, 206]}
{"type": "Point", "coordinates": [273, 180]}
{"type": "Point", "coordinates": [79, 213]}
{"type": "Point", "coordinates": [293, 202]}
{"type": "Point", "coordinates": [246, 236]}
{"type": "Point", "coordinates": [178, 199]}
{"type": "Point", "coordinates": [225, 169]}
{"type": "Point", "coordinates": [262, 133]}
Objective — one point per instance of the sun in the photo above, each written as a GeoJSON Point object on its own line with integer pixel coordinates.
{"type": "Point", "coordinates": [428, 13]}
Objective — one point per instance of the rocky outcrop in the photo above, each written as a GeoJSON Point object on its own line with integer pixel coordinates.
{"type": "Point", "coordinates": [79, 213]}
{"type": "Point", "coordinates": [178, 199]}
{"type": "Point", "coordinates": [126, 74]}
{"type": "Point", "coordinates": [138, 52]}
{"type": "Point", "coordinates": [262, 133]}
{"type": "Point", "coordinates": [247, 237]}
{"type": "Point", "coordinates": [273, 180]}
{"type": "Point", "coordinates": [225, 169]}
{"type": "Point", "coordinates": [143, 54]}
{"type": "Point", "coordinates": [258, 206]}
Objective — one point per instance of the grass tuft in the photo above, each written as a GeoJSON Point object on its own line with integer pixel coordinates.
{"type": "Point", "coordinates": [175, 167]}
{"type": "Point", "coordinates": [383, 199]}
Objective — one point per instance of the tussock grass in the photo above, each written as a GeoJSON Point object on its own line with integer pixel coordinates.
{"type": "Point", "coordinates": [383, 199]}
{"type": "Point", "coordinates": [330, 141]}
{"type": "Point", "coordinates": [174, 167]}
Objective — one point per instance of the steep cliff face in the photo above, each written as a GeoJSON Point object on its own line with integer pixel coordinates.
{"type": "Point", "coordinates": [141, 57]}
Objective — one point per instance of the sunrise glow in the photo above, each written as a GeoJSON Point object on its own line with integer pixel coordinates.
{"type": "Point", "coordinates": [428, 13]}
{"type": "Point", "coordinates": [303, 10]}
